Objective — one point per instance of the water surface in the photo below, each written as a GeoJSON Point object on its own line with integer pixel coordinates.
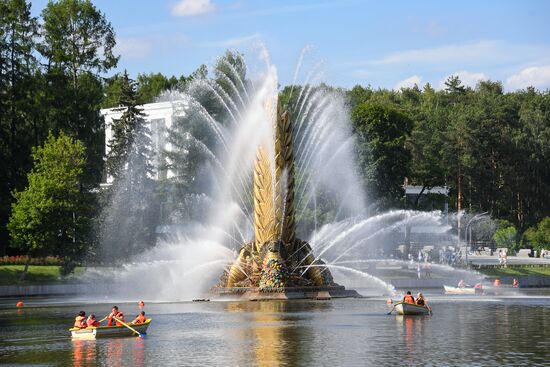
{"type": "Point", "coordinates": [484, 331]}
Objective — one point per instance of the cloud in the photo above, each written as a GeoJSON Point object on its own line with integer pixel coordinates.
{"type": "Point", "coordinates": [190, 8]}
{"type": "Point", "coordinates": [467, 78]}
{"type": "Point", "coordinates": [536, 76]}
{"type": "Point", "coordinates": [454, 53]}
{"type": "Point", "coordinates": [133, 48]}
{"type": "Point", "coordinates": [408, 82]}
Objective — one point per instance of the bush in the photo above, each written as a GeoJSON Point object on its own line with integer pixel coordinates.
{"type": "Point", "coordinates": [538, 236]}
{"type": "Point", "coordinates": [506, 236]}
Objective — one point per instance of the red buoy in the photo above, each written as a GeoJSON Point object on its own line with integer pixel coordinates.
{"type": "Point", "coordinates": [19, 304]}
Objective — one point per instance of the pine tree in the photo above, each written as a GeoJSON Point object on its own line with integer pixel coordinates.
{"type": "Point", "coordinates": [130, 145]}
{"type": "Point", "coordinates": [18, 33]}
{"type": "Point", "coordinates": [129, 219]}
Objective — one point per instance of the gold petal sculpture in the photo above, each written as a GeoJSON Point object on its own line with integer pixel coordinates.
{"type": "Point", "coordinates": [276, 260]}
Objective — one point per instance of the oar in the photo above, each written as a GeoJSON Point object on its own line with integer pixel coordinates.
{"type": "Point", "coordinates": [389, 313]}
{"type": "Point", "coordinates": [103, 319]}
{"type": "Point", "coordinates": [129, 327]}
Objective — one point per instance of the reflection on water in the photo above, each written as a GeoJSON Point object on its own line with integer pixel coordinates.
{"type": "Point", "coordinates": [84, 353]}
{"type": "Point", "coordinates": [461, 332]}
{"type": "Point", "coordinates": [273, 328]}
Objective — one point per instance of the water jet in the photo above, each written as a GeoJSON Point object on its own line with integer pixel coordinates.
{"type": "Point", "coordinates": [272, 265]}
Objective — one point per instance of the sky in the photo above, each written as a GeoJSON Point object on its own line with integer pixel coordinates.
{"type": "Point", "coordinates": [387, 44]}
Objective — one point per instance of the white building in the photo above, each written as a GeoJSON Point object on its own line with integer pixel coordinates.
{"type": "Point", "coordinates": [159, 116]}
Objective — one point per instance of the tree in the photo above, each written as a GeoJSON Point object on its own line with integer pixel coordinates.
{"type": "Point", "coordinates": [382, 155]}
{"type": "Point", "coordinates": [150, 86]}
{"type": "Point", "coordinates": [126, 129]}
{"type": "Point", "coordinates": [18, 66]}
{"type": "Point", "coordinates": [505, 235]}
{"type": "Point", "coordinates": [130, 217]}
{"type": "Point", "coordinates": [77, 45]}
{"type": "Point", "coordinates": [539, 236]}
{"type": "Point", "coordinates": [52, 215]}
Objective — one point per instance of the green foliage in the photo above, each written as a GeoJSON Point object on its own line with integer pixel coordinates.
{"type": "Point", "coordinates": [383, 157]}
{"type": "Point", "coordinates": [128, 131]}
{"type": "Point", "coordinates": [19, 130]}
{"type": "Point", "coordinates": [52, 215]}
{"type": "Point", "coordinates": [128, 222]}
{"type": "Point", "coordinates": [72, 76]}
{"type": "Point", "coordinates": [193, 141]}
{"type": "Point", "coordinates": [505, 235]}
{"type": "Point", "coordinates": [150, 86]}
{"type": "Point", "coordinates": [539, 236]}
{"type": "Point", "coordinates": [90, 45]}
{"type": "Point", "coordinates": [36, 274]}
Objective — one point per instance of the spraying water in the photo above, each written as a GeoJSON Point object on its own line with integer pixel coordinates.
{"type": "Point", "coordinates": [219, 124]}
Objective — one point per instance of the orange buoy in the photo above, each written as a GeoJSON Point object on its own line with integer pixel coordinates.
{"type": "Point", "coordinates": [19, 304]}
{"type": "Point", "coordinates": [141, 304]}
{"type": "Point", "coordinates": [389, 301]}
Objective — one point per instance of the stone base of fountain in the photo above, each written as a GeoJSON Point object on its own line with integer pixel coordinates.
{"type": "Point", "coordinates": [286, 293]}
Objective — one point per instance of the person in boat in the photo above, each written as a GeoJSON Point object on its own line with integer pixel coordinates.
{"type": "Point", "coordinates": [408, 298]}
{"type": "Point", "coordinates": [420, 300]}
{"type": "Point", "coordinates": [140, 319]}
{"type": "Point", "coordinates": [80, 320]}
{"type": "Point", "coordinates": [92, 322]}
{"type": "Point", "coordinates": [115, 313]}
{"type": "Point", "coordinates": [478, 288]}
{"type": "Point", "coordinates": [496, 283]}
{"type": "Point", "coordinates": [462, 284]}
{"type": "Point", "coordinates": [515, 283]}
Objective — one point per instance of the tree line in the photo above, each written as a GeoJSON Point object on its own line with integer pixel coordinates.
{"type": "Point", "coordinates": [490, 147]}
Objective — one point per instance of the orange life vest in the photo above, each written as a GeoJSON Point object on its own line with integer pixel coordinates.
{"type": "Point", "coordinates": [91, 323]}
{"type": "Point", "coordinates": [478, 286]}
{"type": "Point", "coordinates": [140, 319]}
{"type": "Point", "coordinates": [80, 322]}
{"type": "Point", "coordinates": [408, 299]}
{"type": "Point", "coordinates": [119, 316]}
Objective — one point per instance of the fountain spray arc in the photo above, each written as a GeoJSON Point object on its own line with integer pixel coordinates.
{"type": "Point", "coordinates": [277, 264]}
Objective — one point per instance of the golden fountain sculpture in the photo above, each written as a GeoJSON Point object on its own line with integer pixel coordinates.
{"type": "Point", "coordinates": [276, 261]}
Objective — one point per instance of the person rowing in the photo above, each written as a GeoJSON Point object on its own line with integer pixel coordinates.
{"type": "Point", "coordinates": [408, 298]}
{"type": "Point", "coordinates": [115, 314]}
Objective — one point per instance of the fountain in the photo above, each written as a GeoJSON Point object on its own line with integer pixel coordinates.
{"type": "Point", "coordinates": [279, 176]}
{"type": "Point", "coordinates": [272, 266]}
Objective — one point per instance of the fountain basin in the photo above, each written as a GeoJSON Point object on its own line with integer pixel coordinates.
{"type": "Point", "coordinates": [286, 293]}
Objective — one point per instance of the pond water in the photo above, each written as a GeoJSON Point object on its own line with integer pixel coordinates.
{"type": "Point", "coordinates": [463, 331]}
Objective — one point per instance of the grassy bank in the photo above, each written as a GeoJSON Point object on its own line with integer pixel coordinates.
{"type": "Point", "coordinates": [37, 274]}
{"type": "Point", "coordinates": [515, 271]}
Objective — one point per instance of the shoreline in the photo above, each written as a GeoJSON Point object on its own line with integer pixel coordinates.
{"type": "Point", "coordinates": [529, 281]}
